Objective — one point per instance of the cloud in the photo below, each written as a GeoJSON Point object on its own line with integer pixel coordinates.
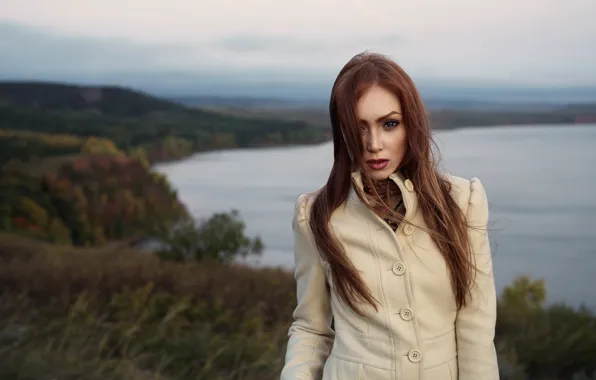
{"type": "Point", "coordinates": [509, 42]}
{"type": "Point", "coordinates": [267, 44]}
{"type": "Point", "coordinates": [36, 50]}
{"type": "Point", "coordinates": [278, 44]}
{"type": "Point", "coordinates": [42, 50]}
{"type": "Point", "coordinates": [42, 54]}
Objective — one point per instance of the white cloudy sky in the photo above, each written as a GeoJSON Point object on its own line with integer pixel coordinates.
{"type": "Point", "coordinates": [522, 41]}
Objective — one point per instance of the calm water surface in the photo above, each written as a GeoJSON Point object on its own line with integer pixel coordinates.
{"type": "Point", "coordinates": [541, 184]}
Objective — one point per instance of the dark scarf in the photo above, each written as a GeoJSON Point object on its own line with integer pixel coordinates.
{"type": "Point", "coordinates": [388, 191]}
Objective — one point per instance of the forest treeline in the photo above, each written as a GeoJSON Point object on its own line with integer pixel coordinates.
{"type": "Point", "coordinates": [134, 120]}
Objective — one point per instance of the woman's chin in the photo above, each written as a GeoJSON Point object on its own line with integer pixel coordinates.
{"type": "Point", "coordinates": [380, 175]}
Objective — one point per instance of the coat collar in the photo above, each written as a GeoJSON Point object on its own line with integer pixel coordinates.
{"type": "Point", "coordinates": [406, 186]}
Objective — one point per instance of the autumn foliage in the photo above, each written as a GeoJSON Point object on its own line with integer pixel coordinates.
{"type": "Point", "coordinates": [91, 199]}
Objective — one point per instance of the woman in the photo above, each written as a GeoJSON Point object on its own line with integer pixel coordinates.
{"type": "Point", "coordinates": [393, 264]}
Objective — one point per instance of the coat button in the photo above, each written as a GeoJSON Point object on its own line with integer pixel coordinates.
{"type": "Point", "coordinates": [408, 229]}
{"type": "Point", "coordinates": [409, 185]}
{"type": "Point", "coordinates": [415, 355]}
{"type": "Point", "coordinates": [399, 268]}
{"type": "Point", "coordinates": [406, 314]}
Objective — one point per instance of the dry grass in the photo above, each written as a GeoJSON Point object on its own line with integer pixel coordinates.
{"type": "Point", "coordinates": [112, 313]}
{"type": "Point", "coordinates": [72, 313]}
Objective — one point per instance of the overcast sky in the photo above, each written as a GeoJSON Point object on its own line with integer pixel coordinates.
{"type": "Point", "coordinates": [544, 42]}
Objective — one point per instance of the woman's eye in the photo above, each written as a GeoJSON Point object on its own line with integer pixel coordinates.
{"type": "Point", "coordinates": [392, 123]}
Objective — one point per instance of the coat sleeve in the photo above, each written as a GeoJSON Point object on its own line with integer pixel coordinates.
{"type": "Point", "coordinates": [310, 335]}
{"type": "Point", "coordinates": [475, 323]}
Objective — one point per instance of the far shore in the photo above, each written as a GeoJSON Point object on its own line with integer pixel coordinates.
{"type": "Point", "coordinates": [445, 129]}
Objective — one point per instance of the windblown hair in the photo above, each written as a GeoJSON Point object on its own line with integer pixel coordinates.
{"type": "Point", "coordinates": [444, 219]}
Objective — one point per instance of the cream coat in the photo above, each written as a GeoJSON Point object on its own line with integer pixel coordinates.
{"type": "Point", "coordinates": [417, 334]}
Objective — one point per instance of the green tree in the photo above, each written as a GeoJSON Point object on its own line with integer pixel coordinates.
{"type": "Point", "coordinates": [224, 140]}
{"type": "Point", "coordinates": [96, 145]}
{"type": "Point", "coordinates": [58, 232]}
{"type": "Point", "coordinates": [140, 154]}
{"type": "Point", "coordinates": [547, 342]}
{"type": "Point", "coordinates": [220, 238]}
{"type": "Point", "coordinates": [36, 213]}
{"type": "Point", "coordinates": [525, 294]}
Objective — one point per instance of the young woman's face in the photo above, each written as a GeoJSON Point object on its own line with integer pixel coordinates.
{"type": "Point", "coordinates": [383, 133]}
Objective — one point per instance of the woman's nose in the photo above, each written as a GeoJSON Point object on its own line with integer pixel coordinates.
{"type": "Point", "coordinates": [374, 143]}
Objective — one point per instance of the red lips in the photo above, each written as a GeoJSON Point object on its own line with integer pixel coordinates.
{"type": "Point", "coordinates": [377, 164]}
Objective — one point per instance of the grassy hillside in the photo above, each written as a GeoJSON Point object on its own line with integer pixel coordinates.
{"type": "Point", "coordinates": [116, 314]}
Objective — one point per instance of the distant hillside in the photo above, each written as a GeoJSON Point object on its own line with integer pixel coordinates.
{"type": "Point", "coordinates": [232, 101]}
{"type": "Point", "coordinates": [164, 129]}
{"type": "Point", "coordinates": [456, 115]}
{"type": "Point", "coordinates": [460, 118]}
{"type": "Point", "coordinates": [114, 101]}
{"type": "Point", "coordinates": [432, 103]}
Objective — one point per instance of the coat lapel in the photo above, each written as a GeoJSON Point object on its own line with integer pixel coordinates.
{"type": "Point", "coordinates": [405, 185]}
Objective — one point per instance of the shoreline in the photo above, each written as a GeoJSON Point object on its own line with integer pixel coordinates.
{"type": "Point", "coordinates": [435, 130]}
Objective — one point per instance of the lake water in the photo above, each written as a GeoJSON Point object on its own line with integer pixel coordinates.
{"type": "Point", "coordinates": [541, 184]}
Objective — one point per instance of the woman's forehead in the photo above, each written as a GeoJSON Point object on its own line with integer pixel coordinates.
{"type": "Point", "coordinates": [376, 102]}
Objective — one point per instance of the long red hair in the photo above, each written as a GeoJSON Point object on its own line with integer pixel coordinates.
{"type": "Point", "coordinates": [444, 219]}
